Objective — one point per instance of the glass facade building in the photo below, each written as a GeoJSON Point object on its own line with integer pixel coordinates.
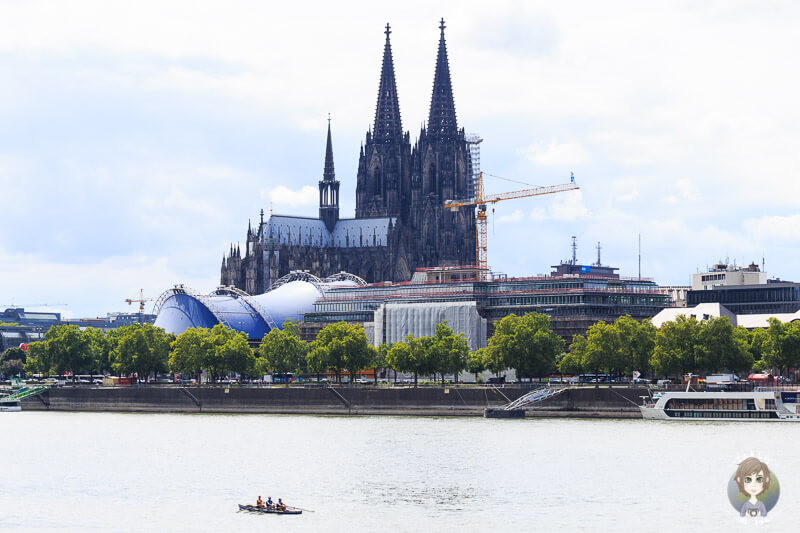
{"type": "Point", "coordinates": [574, 301]}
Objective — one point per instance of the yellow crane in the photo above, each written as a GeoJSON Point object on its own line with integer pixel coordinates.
{"type": "Point", "coordinates": [141, 300]}
{"type": "Point", "coordinates": [481, 200]}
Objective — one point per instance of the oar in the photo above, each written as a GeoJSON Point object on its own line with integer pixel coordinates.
{"type": "Point", "coordinates": [300, 509]}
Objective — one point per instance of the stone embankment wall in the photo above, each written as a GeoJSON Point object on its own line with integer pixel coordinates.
{"type": "Point", "coordinates": [432, 401]}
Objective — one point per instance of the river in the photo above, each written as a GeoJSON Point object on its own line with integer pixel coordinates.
{"type": "Point", "coordinates": [159, 472]}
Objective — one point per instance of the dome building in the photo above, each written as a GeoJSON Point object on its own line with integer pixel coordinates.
{"type": "Point", "coordinates": [290, 297]}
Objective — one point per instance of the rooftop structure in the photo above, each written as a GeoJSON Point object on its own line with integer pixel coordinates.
{"type": "Point", "coordinates": [743, 290]}
{"type": "Point", "coordinates": [724, 274]}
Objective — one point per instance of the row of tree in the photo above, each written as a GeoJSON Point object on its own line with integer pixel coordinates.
{"type": "Point", "coordinates": [524, 343]}
{"type": "Point", "coordinates": [682, 346]}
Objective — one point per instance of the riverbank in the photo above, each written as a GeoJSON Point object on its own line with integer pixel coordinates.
{"type": "Point", "coordinates": [588, 402]}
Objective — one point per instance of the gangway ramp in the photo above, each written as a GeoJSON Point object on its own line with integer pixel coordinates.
{"type": "Point", "coordinates": [24, 392]}
{"type": "Point", "coordinates": [516, 408]}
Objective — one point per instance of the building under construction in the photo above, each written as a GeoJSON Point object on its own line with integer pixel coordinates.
{"type": "Point", "coordinates": [574, 295]}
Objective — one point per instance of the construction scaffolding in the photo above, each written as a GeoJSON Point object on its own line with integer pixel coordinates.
{"type": "Point", "coordinates": [473, 141]}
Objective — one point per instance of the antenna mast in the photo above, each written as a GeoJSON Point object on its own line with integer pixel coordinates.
{"type": "Point", "coordinates": [574, 250]}
{"type": "Point", "coordinates": [640, 257]}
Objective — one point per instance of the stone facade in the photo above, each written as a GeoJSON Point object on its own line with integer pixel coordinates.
{"type": "Point", "coordinates": [400, 222]}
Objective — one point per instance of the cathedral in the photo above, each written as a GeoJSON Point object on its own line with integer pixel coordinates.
{"type": "Point", "coordinates": [400, 222]}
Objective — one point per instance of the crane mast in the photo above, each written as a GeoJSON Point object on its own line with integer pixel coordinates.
{"type": "Point", "coordinates": [481, 200]}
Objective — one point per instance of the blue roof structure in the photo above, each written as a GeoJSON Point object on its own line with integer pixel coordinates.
{"type": "Point", "coordinates": [181, 308]}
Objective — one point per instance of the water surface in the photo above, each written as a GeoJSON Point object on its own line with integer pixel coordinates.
{"type": "Point", "coordinates": [158, 472]}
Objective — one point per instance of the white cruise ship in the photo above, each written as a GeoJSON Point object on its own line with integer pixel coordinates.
{"type": "Point", "coordinates": [725, 406]}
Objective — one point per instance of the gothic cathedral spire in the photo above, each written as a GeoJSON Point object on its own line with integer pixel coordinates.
{"type": "Point", "coordinates": [388, 127]}
{"type": "Point", "coordinates": [383, 178]}
{"type": "Point", "coordinates": [329, 187]}
{"type": "Point", "coordinates": [442, 119]}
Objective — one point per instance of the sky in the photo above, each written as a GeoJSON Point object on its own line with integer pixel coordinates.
{"type": "Point", "coordinates": [138, 138]}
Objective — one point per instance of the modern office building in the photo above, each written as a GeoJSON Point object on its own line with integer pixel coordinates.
{"type": "Point", "coordinates": [743, 290]}
{"type": "Point", "coordinates": [575, 296]}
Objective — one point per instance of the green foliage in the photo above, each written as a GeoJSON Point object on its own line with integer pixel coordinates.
{"type": "Point", "coordinates": [38, 360]}
{"type": "Point", "coordinates": [785, 344]}
{"type": "Point", "coordinates": [676, 344]}
{"type": "Point", "coordinates": [140, 348]}
{"type": "Point", "coordinates": [448, 352]}
{"type": "Point", "coordinates": [218, 351]}
{"type": "Point", "coordinates": [526, 344]}
{"type": "Point", "coordinates": [69, 350]}
{"type": "Point", "coordinates": [476, 362]}
{"type": "Point", "coordinates": [227, 351]}
{"type": "Point", "coordinates": [17, 354]}
{"type": "Point", "coordinates": [572, 362]}
{"type": "Point", "coordinates": [12, 367]}
{"type": "Point", "coordinates": [281, 351]}
{"type": "Point", "coordinates": [760, 345]}
{"type": "Point", "coordinates": [637, 342]}
{"type": "Point", "coordinates": [188, 351]}
{"type": "Point", "coordinates": [341, 346]}
{"type": "Point", "coordinates": [411, 355]}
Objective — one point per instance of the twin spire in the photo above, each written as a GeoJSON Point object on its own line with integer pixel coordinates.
{"type": "Point", "coordinates": [442, 118]}
{"type": "Point", "coordinates": [388, 125]}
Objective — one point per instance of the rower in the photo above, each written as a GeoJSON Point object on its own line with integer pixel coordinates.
{"type": "Point", "coordinates": [270, 505]}
{"type": "Point", "coordinates": [281, 505]}
{"type": "Point", "coordinates": [260, 503]}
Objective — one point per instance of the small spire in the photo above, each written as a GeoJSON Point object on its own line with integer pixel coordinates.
{"type": "Point", "coordinates": [262, 218]}
{"type": "Point", "coordinates": [328, 173]}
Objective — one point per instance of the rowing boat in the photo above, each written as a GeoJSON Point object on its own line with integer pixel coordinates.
{"type": "Point", "coordinates": [254, 509]}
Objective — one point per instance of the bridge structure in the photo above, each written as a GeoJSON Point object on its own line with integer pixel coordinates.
{"type": "Point", "coordinates": [516, 408]}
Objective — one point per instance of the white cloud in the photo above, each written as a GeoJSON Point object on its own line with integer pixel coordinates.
{"type": "Point", "coordinates": [555, 154]}
{"type": "Point", "coordinates": [567, 206]}
{"type": "Point", "coordinates": [282, 195]}
{"type": "Point", "coordinates": [514, 217]}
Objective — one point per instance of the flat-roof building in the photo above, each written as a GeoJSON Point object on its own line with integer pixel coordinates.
{"type": "Point", "coordinates": [575, 296]}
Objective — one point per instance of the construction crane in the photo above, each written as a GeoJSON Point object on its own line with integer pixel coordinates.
{"type": "Point", "coordinates": [141, 300]}
{"type": "Point", "coordinates": [481, 200]}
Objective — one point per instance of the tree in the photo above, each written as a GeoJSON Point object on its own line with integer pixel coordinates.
{"type": "Point", "coordinates": [785, 343]}
{"type": "Point", "coordinates": [526, 344]}
{"type": "Point", "coordinates": [603, 351]}
{"type": "Point", "coordinates": [224, 350]}
{"type": "Point", "coordinates": [476, 362]}
{"type": "Point", "coordinates": [411, 355]}
{"type": "Point", "coordinates": [100, 346]}
{"type": "Point", "coordinates": [282, 351]}
{"type": "Point", "coordinates": [760, 344]}
{"type": "Point", "coordinates": [380, 359]}
{"type": "Point", "coordinates": [68, 349]}
{"type": "Point", "coordinates": [38, 358]}
{"type": "Point", "coordinates": [342, 346]}
{"type": "Point", "coordinates": [237, 354]}
{"type": "Point", "coordinates": [676, 344]}
{"type": "Point", "coordinates": [740, 359]}
{"type": "Point", "coordinates": [188, 351]}
{"type": "Point", "coordinates": [637, 342]}
{"type": "Point", "coordinates": [12, 367]}
{"type": "Point", "coordinates": [572, 362]}
{"type": "Point", "coordinates": [141, 348]}
{"type": "Point", "coordinates": [448, 351]}
{"type": "Point", "coordinates": [14, 353]}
